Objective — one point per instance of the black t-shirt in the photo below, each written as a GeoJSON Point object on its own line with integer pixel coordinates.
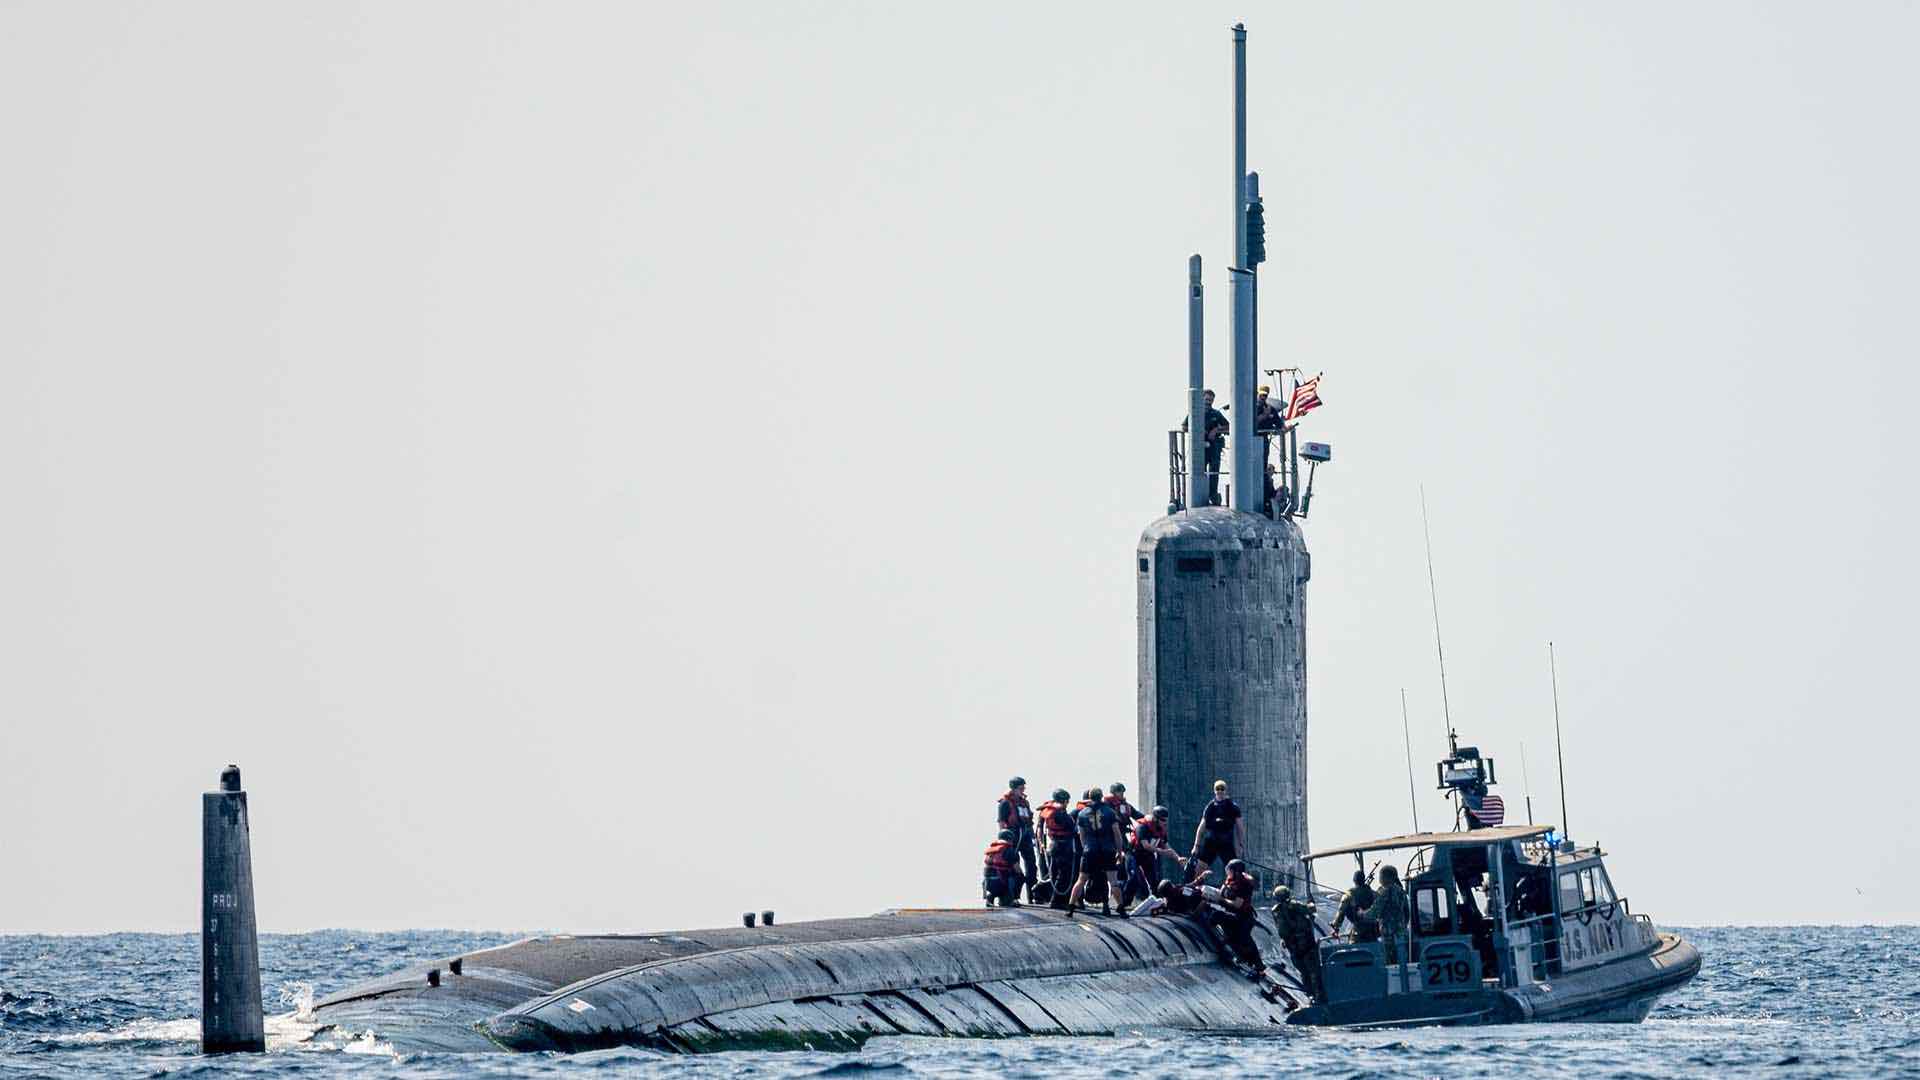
{"type": "Point", "coordinates": [1096, 827]}
{"type": "Point", "coordinates": [1217, 426]}
{"type": "Point", "coordinates": [1220, 816]}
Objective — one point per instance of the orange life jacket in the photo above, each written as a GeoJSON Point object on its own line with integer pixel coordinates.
{"type": "Point", "coordinates": [1149, 830]}
{"type": "Point", "coordinates": [1058, 822]}
{"type": "Point", "coordinates": [999, 856]}
{"type": "Point", "coordinates": [1016, 812]}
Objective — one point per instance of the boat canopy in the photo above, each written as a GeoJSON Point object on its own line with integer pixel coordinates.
{"type": "Point", "coordinates": [1470, 838]}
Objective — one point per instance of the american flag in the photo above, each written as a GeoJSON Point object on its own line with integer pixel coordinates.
{"type": "Point", "coordinates": [1492, 810]}
{"type": "Point", "coordinates": [1306, 398]}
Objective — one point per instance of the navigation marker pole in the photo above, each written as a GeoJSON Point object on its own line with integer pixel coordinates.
{"type": "Point", "coordinates": [1407, 738]}
{"type": "Point", "coordinates": [231, 1019]}
{"type": "Point", "coordinates": [1558, 751]}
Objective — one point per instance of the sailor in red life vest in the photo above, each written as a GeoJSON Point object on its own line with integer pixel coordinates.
{"type": "Point", "coordinates": [1002, 877]}
{"type": "Point", "coordinates": [1117, 798]}
{"type": "Point", "coordinates": [1234, 915]}
{"type": "Point", "coordinates": [1149, 847]}
{"type": "Point", "coordinates": [1056, 834]}
{"type": "Point", "coordinates": [1016, 815]}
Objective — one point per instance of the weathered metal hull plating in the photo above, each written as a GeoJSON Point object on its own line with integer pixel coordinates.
{"type": "Point", "coordinates": [822, 985]}
{"type": "Point", "coordinates": [1223, 674]}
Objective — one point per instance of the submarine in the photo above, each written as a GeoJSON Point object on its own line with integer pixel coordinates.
{"type": "Point", "coordinates": [1220, 587]}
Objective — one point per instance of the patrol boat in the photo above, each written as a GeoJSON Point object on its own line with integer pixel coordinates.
{"type": "Point", "coordinates": [1509, 924]}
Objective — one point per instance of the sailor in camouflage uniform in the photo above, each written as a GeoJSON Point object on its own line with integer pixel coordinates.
{"type": "Point", "coordinates": [1390, 912]}
{"type": "Point", "coordinates": [1294, 922]}
{"type": "Point", "coordinates": [1353, 910]}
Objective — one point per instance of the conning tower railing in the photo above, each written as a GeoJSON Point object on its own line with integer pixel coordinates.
{"type": "Point", "coordinates": [1280, 504]}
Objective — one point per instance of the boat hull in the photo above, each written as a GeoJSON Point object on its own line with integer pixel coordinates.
{"type": "Point", "coordinates": [1619, 991]}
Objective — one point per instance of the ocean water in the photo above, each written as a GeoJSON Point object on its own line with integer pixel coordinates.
{"type": "Point", "coordinates": [1793, 1001]}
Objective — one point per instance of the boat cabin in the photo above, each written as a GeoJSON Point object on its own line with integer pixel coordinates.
{"type": "Point", "coordinates": [1489, 909]}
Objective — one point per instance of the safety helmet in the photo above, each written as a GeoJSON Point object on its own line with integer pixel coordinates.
{"type": "Point", "coordinates": [1061, 794]}
{"type": "Point", "coordinates": [1236, 867]}
{"type": "Point", "coordinates": [1389, 875]}
{"type": "Point", "coordinates": [1006, 834]}
{"type": "Point", "coordinates": [1018, 781]}
{"type": "Point", "coordinates": [1116, 788]}
{"type": "Point", "coordinates": [1359, 878]}
{"type": "Point", "coordinates": [1160, 812]}
{"type": "Point", "coordinates": [1282, 892]}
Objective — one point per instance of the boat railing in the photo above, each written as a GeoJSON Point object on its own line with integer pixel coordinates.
{"type": "Point", "coordinates": [1550, 934]}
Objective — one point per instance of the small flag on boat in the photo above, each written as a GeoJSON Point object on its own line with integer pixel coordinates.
{"type": "Point", "coordinates": [1306, 398]}
{"type": "Point", "coordinates": [1491, 811]}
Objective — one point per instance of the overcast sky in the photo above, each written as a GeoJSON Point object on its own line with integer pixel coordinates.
{"type": "Point", "coordinates": [616, 466]}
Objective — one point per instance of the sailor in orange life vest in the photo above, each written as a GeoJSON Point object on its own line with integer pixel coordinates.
{"type": "Point", "coordinates": [1149, 847]}
{"type": "Point", "coordinates": [1221, 834]}
{"type": "Point", "coordinates": [1002, 877]}
{"type": "Point", "coordinates": [1014, 813]}
{"type": "Point", "coordinates": [1056, 844]}
{"type": "Point", "coordinates": [1117, 798]}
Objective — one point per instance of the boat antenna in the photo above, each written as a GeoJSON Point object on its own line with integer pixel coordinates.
{"type": "Point", "coordinates": [1527, 777]}
{"type": "Point", "coordinates": [1407, 738]}
{"type": "Point", "coordinates": [1559, 752]}
{"type": "Point", "coordinates": [1433, 594]}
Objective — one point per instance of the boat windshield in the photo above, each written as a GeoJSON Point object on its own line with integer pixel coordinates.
{"type": "Point", "coordinates": [1584, 887]}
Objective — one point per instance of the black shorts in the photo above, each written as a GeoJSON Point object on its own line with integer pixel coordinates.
{"type": "Point", "coordinates": [1215, 847]}
{"type": "Point", "coordinates": [1099, 862]}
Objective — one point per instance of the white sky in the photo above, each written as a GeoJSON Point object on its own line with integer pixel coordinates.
{"type": "Point", "coordinates": [616, 466]}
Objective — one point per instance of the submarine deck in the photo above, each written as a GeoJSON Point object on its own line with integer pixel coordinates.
{"type": "Point", "coordinates": [830, 983]}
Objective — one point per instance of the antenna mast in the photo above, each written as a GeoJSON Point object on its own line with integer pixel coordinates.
{"type": "Point", "coordinates": [1433, 593]}
{"type": "Point", "coordinates": [1558, 751]}
{"type": "Point", "coordinates": [1407, 738]}
{"type": "Point", "coordinates": [1526, 776]}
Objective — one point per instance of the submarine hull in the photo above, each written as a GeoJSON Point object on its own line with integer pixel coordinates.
{"type": "Point", "coordinates": [822, 985]}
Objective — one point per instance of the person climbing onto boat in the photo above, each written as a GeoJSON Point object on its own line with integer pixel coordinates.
{"type": "Point", "coordinates": [1002, 877]}
{"type": "Point", "coordinates": [1221, 834]}
{"type": "Point", "coordinates": [1015, 813]}
{"type": "Point", "coordinates": [1056, 844]}
{"type": "Point", "coordinates": [1390, 912]}
{"type": "Point", "coordinates": [1353, 910]}
{"type": "Point", "coordinates": [1293, 921]}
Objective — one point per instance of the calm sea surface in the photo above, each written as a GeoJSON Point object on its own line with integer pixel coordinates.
{"type": "Point", "coordinates": [1801, 1001]}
